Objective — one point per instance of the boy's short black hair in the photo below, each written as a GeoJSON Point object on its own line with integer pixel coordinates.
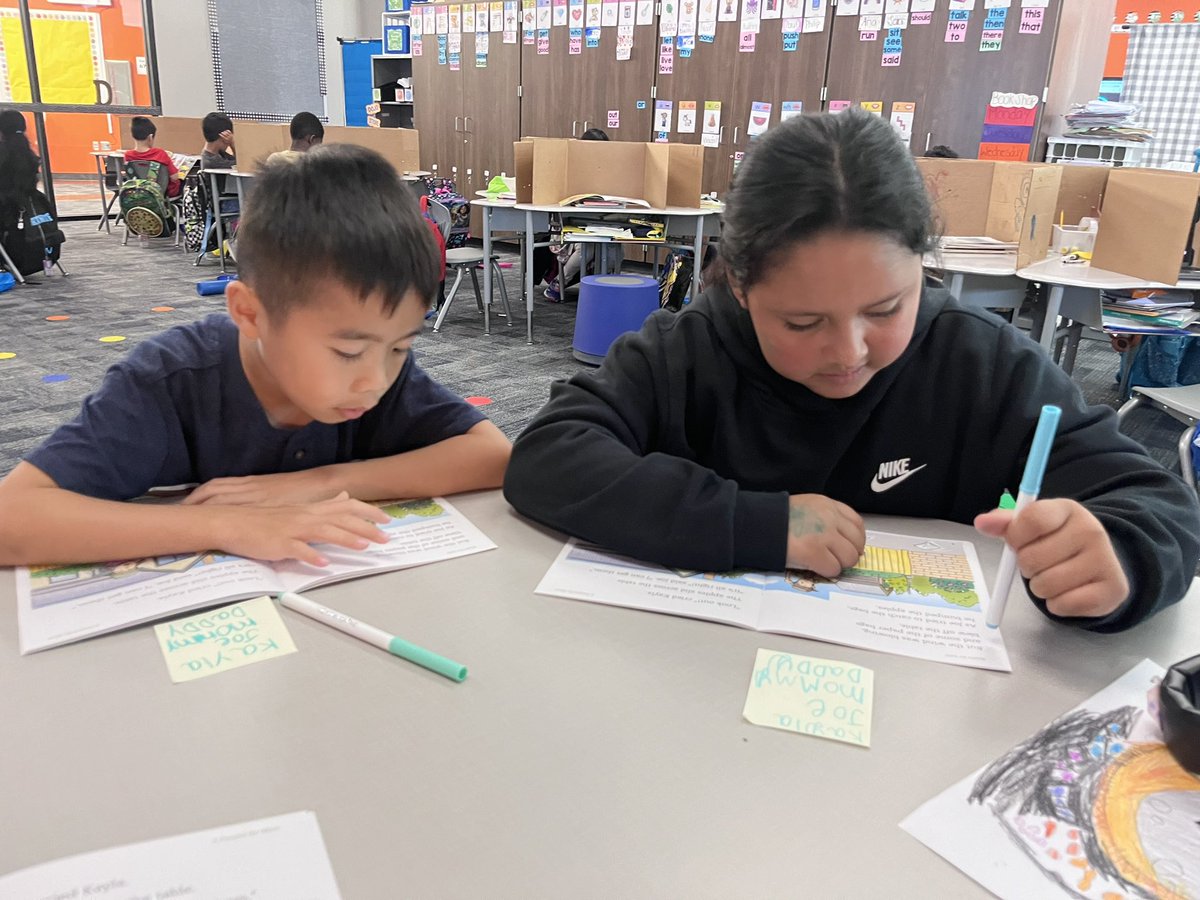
{"type": "Point", "coordinates": [941, 151]}
{"type": "Point", "coordinates": [305, 125]}
{"type": "Point", "coordinates": [594, 134]}
{"type": "Point", "coordinates": [215, 123]}
{"type": "Point", "coordinates": [141, 128]}
{"type": "Point", "coordinates": [338, 212]}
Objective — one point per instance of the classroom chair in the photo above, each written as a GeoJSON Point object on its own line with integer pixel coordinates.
{"type": "Point", "coordinates": [465, 259]}
{"type": "Point", "coordinates": [224, 194]}
{"type": "Point", "coordinates": [141, 169]}
{"type": "Point", "coordinates": [112, 183]}
{"type": "Point", "coordinates": [1180, 403]}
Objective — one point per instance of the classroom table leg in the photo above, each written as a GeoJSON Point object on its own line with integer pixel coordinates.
{"type": "Point", "coordinates": [955, 285]}
{"type": "Point", "coordinates": [527, 259]}
{"type": "Point", "coordinates": [487, 269]}
{"type": "Point", "coordinates": [216, 202]}
{"type": "Point", "coordinates": [100, 167]}
{"type": "Point", "coordinates": [1049, 321]}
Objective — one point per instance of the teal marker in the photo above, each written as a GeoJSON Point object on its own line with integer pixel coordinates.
{"type": "Point", "coordinates": [375, 636]}
{"type": "Point", "coordinates": [1031, 486]}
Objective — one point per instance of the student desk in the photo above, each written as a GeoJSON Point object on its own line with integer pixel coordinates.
{"type": "Point", "coordinates": [1074, 293]}
{"type": "Point", "coordinates": [989, 282]}
{"type": "Point", "coordinates": [592, 751]}
{"type": "Point", "coordinates": [215, 194]}
{"type": "Point", "coordinates": [507, 215]}
{"type": "Point", "coordinates": [101, 156]}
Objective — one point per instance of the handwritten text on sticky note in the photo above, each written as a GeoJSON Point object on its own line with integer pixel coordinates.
{"type": "Point", "coordinates": [821, 697]}
{"type": "Point", "coordinates": [223, 639]}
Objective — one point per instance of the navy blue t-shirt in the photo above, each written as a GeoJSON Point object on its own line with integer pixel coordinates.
{"type": "Point", "coordinates": [179, 410]}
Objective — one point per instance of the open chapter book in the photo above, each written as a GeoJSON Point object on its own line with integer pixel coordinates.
{"type": "Point", "coordinates": [913, 596]}
{"type": "Point", "coordinates": [57, 605]}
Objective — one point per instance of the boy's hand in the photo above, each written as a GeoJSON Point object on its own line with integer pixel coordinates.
{"type": "Point", "coordinates": [285, 532]}
{"type": "Point", "coordinates": [1065, 553]}
{"type": "Point", "coordinates": [824, 535]}
{"type": "Point", "coordinates": [283, 488]}
{"type": "Point", "coordinates": [227, 137]}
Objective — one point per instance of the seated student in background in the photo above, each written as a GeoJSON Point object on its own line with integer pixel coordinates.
{"type": "Point", "coordinates": [289, 412]}
{"type": "Point", "coordinates": [306, 131]}
{"type": "Point", "coordinates": [941, 151]}
{"type": "Point", "coordinates": [822, 382]}
{"type": "Point", "coordinates": [218, 150]}
{"type": "Point", "coordinates": [143, 131]}
{"type": "Point", "coordinates": [18, 168]}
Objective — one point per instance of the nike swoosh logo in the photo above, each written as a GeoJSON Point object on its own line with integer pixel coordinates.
{"type": "Point", "coordinates": [880, 486]}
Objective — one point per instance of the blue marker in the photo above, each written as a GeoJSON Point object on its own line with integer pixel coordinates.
{"type": "Point", "coordinates": [1031, 485]}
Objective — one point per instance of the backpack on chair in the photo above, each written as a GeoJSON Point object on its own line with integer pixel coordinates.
{"type": "Point", "coordinates": [143, 202]}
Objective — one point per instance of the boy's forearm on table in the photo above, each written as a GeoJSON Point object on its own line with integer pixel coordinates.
{"type": "Point", "coordinates": [467, 462]}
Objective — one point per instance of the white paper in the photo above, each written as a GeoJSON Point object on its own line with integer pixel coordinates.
{"type": "Point", "coordinates": [847, 8]}
{"type": "Point", "coordinates": [895, 20]}
{"type": "Point", "coordinates": [813, 24]}
{"type": "Point", "coordinates": [935, 612]}
{"type": "Point", "coordinates": [707, 17]}
{"type": "Point", "coordinates": [997, 4]}
{"type": "Point", "coordinates": [687, 117]}
{"type": "Point", "coordinates": [688, 14]}
{"type": "Point", "coordinates": [771, 9]}
{"type": "Point", "coordinates": [709, 140]}
{"type": "Point", "coordinates": [923, 5]}
{"type": "Point", "coordinates": [645, 12]}
{"type": "Point", "coordinates": [609, 14]}
{"type": "Point", "coordinates": [871, 7]}
{"type": "Point", "coordinates": [962, 4]}
{"type": "Point", "coordinates": [895, 6]}
{"type": "Point", "coordinates": [668, 19]}
{"type": "Point", "coordinates": [1104, 796]}
{"type": "Point", "coordinates": [57, 605]}
{"type": "Point", "coordinates": [751, 16]}
{"type": "Point", "coordinates": [727, 10]}
{"type": "Point", "coordinates": [870, 23]}
{"type": "Point", "coordinates": [279, 858]}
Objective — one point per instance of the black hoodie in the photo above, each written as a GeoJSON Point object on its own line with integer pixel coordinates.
{"type": "Point", "coordinates": [684, 446]}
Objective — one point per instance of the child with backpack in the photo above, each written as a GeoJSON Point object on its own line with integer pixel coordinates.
{"type": "Point", "coordinates": [144, 131]}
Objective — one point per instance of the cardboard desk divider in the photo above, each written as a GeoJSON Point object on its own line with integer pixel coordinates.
{"type": "Point", "coordinates": [1081, 194]}
{"type": "Point", "coordinates": [1008, 201]}
{"type": "Point", "coordinates": [552, 169]}
{"type": "Point", "coordinates": [1144, 223]}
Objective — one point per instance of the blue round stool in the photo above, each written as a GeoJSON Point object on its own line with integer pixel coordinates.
{"type": "Point", "coordinates": [609, 306]}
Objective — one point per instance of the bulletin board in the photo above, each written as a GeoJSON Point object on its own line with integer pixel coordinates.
{"type": "Point", "coordinates": [268, 58]}
{"type": "Point", "coordinates": [70, 55]}
{"type": "Point", "coordinates": [1162, 76]}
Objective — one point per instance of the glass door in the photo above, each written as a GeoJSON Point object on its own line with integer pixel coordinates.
{"type": "Point", "coordinates": [72, 67]}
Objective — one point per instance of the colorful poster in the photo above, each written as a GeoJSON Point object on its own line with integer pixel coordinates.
{"type": "Point", "coordinates": [686, 43]}
{"type": "Point", "coordinates": [455, 60]}
{"type": "Point", "coordinates": [511, 18]}
{"type": "Point", "coordinates": [760, 118]}
{"type": "Point", "coordinates": [874, 107]}
{"type": "Point", "coordinates": [902, 120]}
{"type": "Point", "coordinates": [624, 42]}
{"type": "Point", "coordinates": [837, 106]}
{"type": "Point", "coordinates": [789, 109]}
{"type": "Point", "coordinates": [592, 14]}
{"type": "Point", "coordinates": [751, 16]}
{"type": "Point", "coordinates": [455, 45]}
{"type": "Point", "coordinates": [771, 9]}
{"type": "Point", "coordinates": [627, 13]}
{"type": "Point", "coordinates": [468, 18]}
{"type": "Point", "coordinates": [443, 20]}
{"type": "Point", "coordinates": [429, 23]}
{"type": "Point", "coordinates": [668, 19]}
{"type": "Point", "coordinates": [791, 41]}
{"type": "Point", "coordinates": [575, 16]}
{"type": "Point", "coordinates": [662, 115]}
{"type": "Point", "coordinates": [747, 41]}
{"type": "Point", "coordinates": [688, 14]}
{"type": "Point", "coordinates": [591, 37]}
{"type": "Point", "coordinates": [707, 19]}
{"type": "Point", "coordinates": [543, 42]}
{"type": "Point", "coordinates": [545, 15]}
{"type": "Point", "coordinates": [710, 126]}
{"type": "Point", "coordinates": [991, 41]}
{"type": "Point", "coordinates": [455, 19]}
{"type": "Point", "coordinates": [1008, 124]}
{"type": "Point", "coordinates": [575, 42]}
{"type": "Point", "coordinates": [482, 43]}
{"type": "Point", "coordinates": [645, 12]}
{"type": "Point", "coordinates": [497, 16]}
{"type": "Point", "coordinates": [727, 10]}
{"type": "Point", "coordinates": [687, 117]}
{"type": "Point", "coordinates": [558, 17]}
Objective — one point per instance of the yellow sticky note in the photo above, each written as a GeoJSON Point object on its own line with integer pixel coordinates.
{"type": "Point", "coordinates": [822, 697]}
{"type": "Point", "coordinates": [223, 639]}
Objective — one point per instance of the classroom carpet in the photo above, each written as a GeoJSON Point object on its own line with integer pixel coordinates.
{"type": "Point", "coordinates": [64, 332]}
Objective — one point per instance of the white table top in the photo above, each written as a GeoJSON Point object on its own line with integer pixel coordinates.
{"type": "Point", "coordinates": [120, 153]}
{"type": "Point", "coordinates": [633, 210]}
{"type": "Point", "coordinates": [997, 265]}
{"type": "Point", "coordinates": [592, 752]}
{"type": "Point", "coordinates": [1053, 270]}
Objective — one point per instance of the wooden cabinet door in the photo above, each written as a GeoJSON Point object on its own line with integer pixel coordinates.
{"type": "Point", "coordinates": [709, 74]}
{"type": "Point", "coordinates": [438, 107]}
{"type": "Point", "coordinates": [562, 95]}
{"type": "Point", "coordinates": [491, 112]}
{"type": "Point", "coordinates": [951, 83]}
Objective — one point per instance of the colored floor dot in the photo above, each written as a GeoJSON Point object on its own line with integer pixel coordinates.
{"type": "Point", "coordinates": [54, 379]}
{"type": "Point", "coordinates": [479, 401]}
{"type": "Point", "coordinates": [162, 309]}
{"type": "Point", "coordinates": [7, 355]}
{"type": "Point", "coordinates": [57, 318]}
{"type": "Point", "coordinates": [111, 339]}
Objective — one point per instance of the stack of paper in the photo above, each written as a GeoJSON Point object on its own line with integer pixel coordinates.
{"type": "Point", "coordinates": [1148, 311]}
{"type": "Point", "coordinates": [1104, 119]}
{"type": "Point", "coordinates": [976, 245]}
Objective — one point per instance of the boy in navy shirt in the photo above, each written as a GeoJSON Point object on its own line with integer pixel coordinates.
{"type": "Point", "coordinates": [289, 412]}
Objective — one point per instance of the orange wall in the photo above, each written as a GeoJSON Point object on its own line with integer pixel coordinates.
{"type": "Point", "coordinates": [70, 135]}
{"type": "Point", "coordinates": [1118, 42]}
